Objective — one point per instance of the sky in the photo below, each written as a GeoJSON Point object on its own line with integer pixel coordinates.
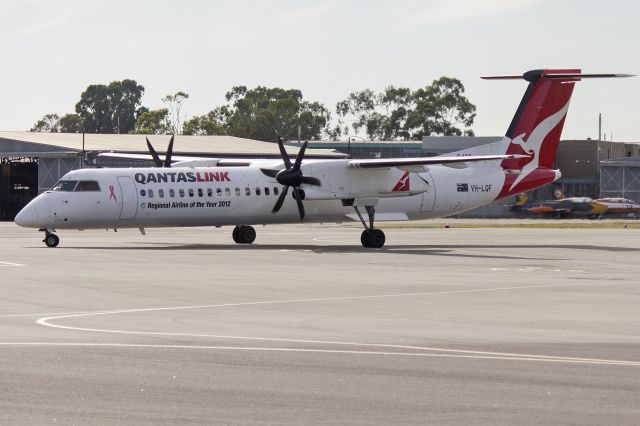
{"type": "Point", "coordinates": [51, 50]}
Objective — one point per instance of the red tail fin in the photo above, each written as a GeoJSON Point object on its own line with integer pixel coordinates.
{"type": "Point", "coordinates": [537, 124]}
{"type": "Point", "coordinates": [535, 129]}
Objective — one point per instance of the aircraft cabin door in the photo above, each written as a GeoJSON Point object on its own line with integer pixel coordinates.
{"type": "Point", "coordinates": [429, 196]}
{"type": "Point", "coordinates": [129, 196]}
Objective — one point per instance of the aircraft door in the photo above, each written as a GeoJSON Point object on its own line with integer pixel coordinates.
{"type": "Point", "coordinates": [129, 196]}
{"type": "Point", "coordinates": [429, 196]}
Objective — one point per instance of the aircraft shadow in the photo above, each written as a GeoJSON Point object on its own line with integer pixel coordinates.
{"type": "Point", "coordinates": [405, 249]}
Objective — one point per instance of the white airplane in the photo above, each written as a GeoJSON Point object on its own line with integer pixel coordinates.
{"type": "Point", "coordinates": [241, 193]}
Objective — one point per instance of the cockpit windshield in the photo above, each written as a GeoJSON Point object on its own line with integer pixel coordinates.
{"type": "Point", "coordinates": [87, 185]}
{"type": "Point", "coordinates": [65, 185]}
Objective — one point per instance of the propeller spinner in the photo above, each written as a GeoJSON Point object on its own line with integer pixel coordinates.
{"type": "Point", "coordinates": [291, 176]}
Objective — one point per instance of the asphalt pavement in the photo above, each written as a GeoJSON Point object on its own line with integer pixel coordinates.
{"type": "Point", "coordinates": [441, 326]}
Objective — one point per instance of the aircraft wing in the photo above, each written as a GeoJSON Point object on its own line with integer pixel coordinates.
{"type": "Point", "coordinates": [143, 156]}
{"type": "Point", "coordinates": [183, 161]}
{"type": "Point", "coordinates": [378, 163]}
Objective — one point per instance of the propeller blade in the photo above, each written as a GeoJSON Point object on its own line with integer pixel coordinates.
{"type": "Point", "coordinates": [280, 201]}
{"type": "Point", "coordinates": [296, 166]}
{"type": "Point", "coordinates": [154, 154]}
{"type": "Point", "coordinates": [270, 172]}
{"type": "Point", "coordinates": [283, 152]}
{"type": "Point", "coordinates": [309, 180]}
{"type": "Point", "coordinates": [297, 196]}
{"type": "Point", "coordinates": [167, 160]}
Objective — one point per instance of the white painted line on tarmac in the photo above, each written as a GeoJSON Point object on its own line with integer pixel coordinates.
{"type": "Point", "coordinates": [448, 352]}
{"type": "Point", "coordinates": [60, 315]}
{"type": "Point", "coordinates": [11, 264]}
{"type": "Point", "coordinates": [42, 321]}
{"type": "Point", "coordinates": [503, 357]}
{"type": "Point", "coordinates": [44, 314]}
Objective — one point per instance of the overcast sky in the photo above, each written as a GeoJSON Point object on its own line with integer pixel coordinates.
{"type": "Point", "coordinates": [50, 51]}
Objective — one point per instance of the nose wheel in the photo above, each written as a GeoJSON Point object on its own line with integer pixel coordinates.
{"type": "Point", "coordinates": [51, 239]}
{"type": "Point", "coordinates": [244, 234]}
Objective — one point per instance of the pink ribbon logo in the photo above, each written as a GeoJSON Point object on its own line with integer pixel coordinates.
{"type": "Point", "coordinates": [112, 193]}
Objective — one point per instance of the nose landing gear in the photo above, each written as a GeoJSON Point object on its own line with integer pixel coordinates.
{"type": "Point", "coordinates": [51, 239]}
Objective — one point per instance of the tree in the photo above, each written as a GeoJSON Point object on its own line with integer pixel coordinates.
{"type": "Point", "coordinates": [206, 124]}
{"type": "Point", "coordinates": [265, 113]}
{"type": "Point", "coordinates": [382, 116]}
{"type": "Point", "coordinates": [47, 124]}
{"type": "Point", "coordinates": [111, 109]}
{"type": "Point", "coordinates": [439, 109]}
{"type": "Point", "coordinates": [155, 122]}
{"type": "Point", "coordinates": [70, 123]}
{"type": "Point", "coordinates": [53, 123]}
{"type": "Point", "coordinates": [398, 113]}
{"type": "Point", "coordinates": [174, 104]}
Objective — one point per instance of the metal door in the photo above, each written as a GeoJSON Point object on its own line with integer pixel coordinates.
{"type": "Point", "coordinates": [129, 196]}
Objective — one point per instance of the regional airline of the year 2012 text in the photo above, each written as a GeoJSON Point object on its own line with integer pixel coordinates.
{"type": "Point", "coordinates": [241, 193]}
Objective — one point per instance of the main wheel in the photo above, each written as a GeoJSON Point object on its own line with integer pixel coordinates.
{"type": "Point", "coordinates": [247, 234]}
{"type": "Point", "coordinates": [51, 240]}
{"type": "Point", "coordinates": [364, 238]}
{"type": "Point", "coordinates": [244, 234]}
{"type": "Point", "coordinates": [376, 238]}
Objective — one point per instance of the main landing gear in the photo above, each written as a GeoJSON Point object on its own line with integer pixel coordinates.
{"type": "Point", "coordinates": [243, 234]}
{"type": "Point", "coordinates": [51, 239]}
{"type": "Point", "coordinates": [371, 237]}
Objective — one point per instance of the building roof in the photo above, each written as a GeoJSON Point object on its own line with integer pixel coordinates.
{"type": "Point", "coordinates": [19, 143]}
{"type": "Point", "coordinates": [623, 162]}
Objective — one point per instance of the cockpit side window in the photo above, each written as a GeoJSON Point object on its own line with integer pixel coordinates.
{"type": "Point", "coordinates": [65, 185]}
{"type": "Point", "coordinates": [87, 185]}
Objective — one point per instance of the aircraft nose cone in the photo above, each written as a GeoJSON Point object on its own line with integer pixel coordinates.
{"type": "Point", "coordinates": [25, 217]}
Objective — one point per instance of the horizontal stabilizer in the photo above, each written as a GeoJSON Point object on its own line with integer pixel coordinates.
{"type": "Point", "coordinates": [536, 74]}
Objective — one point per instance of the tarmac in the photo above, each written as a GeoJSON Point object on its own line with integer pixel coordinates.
{"type": "Point", "coordinates": [305, 326]}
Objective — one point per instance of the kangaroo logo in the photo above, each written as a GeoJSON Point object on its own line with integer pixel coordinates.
{"type": "Point", "coordinates": [534, 142]}
{"type": "Point", "coordinates": [403, 184]}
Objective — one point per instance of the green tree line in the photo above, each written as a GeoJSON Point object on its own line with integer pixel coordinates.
{"type": "Point", "coordinates": [263, 113]}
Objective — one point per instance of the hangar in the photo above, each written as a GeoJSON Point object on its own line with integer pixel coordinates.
{"type": "Point", "coordinates": [31, 163]}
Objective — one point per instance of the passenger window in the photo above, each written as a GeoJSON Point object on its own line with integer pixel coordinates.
{"type": "Point", "coordinates": [87, 185]}
{"type": "Point", "coordinates": [266, 190]}
{"type": "Point", "coordinates": [237, 191]}
{"type": "Point", "coordinates": [161, 193]}
{"type": "Point", "coordinates": [190, 192]}
{"type": "Point", "coordinates": [275, 191]}
{"type": "Point", "coordinates": [247, 191]}
{"type": "Point", "coordinates": [209, 192]}
{"type": "Point", "coordinates": [65, 185]}
{"type": "Point", "coordinates": [150, 193]}
{"type": "Point", "coordinates": [200, 192]}
{"type": "Point", "coordinates": [172, 193]}
{"type": "Point", "coordinates": [219, 192]}
{"type": "Point", "coordinates": [227, 192]}
{"type": "Point", "coordinates": [257, 191]}
{"type": "Point", "coordinates": [181, 192]}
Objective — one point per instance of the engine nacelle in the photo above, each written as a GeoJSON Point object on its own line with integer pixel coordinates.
{"type": "Point", "coordinates": [342, 183]}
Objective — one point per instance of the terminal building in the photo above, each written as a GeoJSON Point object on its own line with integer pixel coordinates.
{"type": "Point", "coordinates": [31, 163]}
